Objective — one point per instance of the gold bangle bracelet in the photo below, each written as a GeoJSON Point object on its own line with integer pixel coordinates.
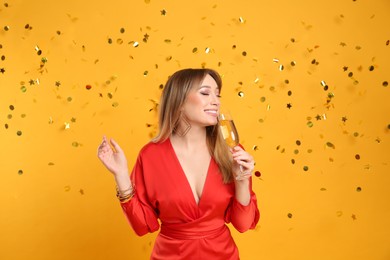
{"type": "Point", "coordinates": [122, 196]}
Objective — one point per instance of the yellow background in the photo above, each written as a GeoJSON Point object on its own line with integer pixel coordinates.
{"type": "Point", "coordinates": [58, 202]}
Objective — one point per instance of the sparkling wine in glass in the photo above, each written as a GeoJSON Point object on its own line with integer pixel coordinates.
{"type": "Point", "coordinates": [228, 129]}
{"type": "Point", "coordinates": [229, 132]}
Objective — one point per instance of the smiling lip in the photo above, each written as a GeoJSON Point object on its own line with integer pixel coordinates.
{"type": "Point", "coordinates": [212, 112]}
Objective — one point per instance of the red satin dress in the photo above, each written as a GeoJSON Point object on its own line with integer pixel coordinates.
{"type": "Point", "coordinates": [188, 230]}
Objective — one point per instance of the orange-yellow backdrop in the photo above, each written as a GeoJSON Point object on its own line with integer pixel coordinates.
{"type": "Point", "coordinates": [305, 80]}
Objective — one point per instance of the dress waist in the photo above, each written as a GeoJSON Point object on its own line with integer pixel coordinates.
{"type": "Point", "coordinates": [182, 233]}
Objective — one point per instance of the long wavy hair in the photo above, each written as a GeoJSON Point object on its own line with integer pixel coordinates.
{"type": "Point", "coordinates": [173, 98]}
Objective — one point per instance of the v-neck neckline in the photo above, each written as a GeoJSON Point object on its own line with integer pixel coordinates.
{"type": "Point", "coordinates": [183, 174]}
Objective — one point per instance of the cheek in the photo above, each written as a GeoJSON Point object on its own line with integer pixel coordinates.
{"type": "Point", "coordinates": [193, 100]}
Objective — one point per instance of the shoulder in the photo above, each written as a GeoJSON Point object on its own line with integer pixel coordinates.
{"type": "Point", "coordinates": [153, 148]}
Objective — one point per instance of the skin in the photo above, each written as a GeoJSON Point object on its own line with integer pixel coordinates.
{"type": "Point", "coordinates": [200, 109]}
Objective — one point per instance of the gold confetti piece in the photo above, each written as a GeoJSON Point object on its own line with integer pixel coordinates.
{"type": "Point", "coordinates": [310, 124]}
{"type": "Point", "coordinates": [297, 142]}
{"type": "Point", "coordinates": [241, 20]}
{"type": "Point", "coordinates": [293, 63]}
{"type": "Point", "coordinates": [289, 105]}
{"type": "Point", "coordinates": [81, 191]}
{"type": "Point", "coordinates": [109, 40]}
{"type": "Point", "coordinates": [146, 73]}
{"type": "Point", "coordinates": [19, 133]}
{"type": "Point", "coordinates": [147, 1]}
{"type": "Point", "coordinates": [357, 156]}
{"type": "Point", "coordinates": [122, 30]}
{"type": "Point", "coordinates": [371, 68]}
{"type": "Point", "coordinates": [51, 120]}
{"type": "Point", "coordinates": [20, 172]}
{"type": "Point", "coordinates": [109, 95]}
{"type": "Point", "coordinates": [6, 28]}
{"type": "Point", "coordinates": [281, 67]}
{"type": "Point", "coordinates": [323, 83]}
{"type": "Point", "coordinates": [296, 151]}
{"type": "Point", "coordinates": [385, 83]}
{"type": "Point", "coordinates": [262, 99]}
{"type": "Point", "coordinates": [275, 60]}
{"type": "Point", "coordinates": [67, 188]}
{"type": "Point", "coordinates": [244, 53]}
{"type": "Point", "coordinates": [353, 216]}
{"type": "Point", "coordinates": [195, 50]}
{"type": "Point", "coordinates": [167, 41]}
{"type": "Point", "coordinates": [339, 213]}
{"type": "Point", "coordinates": [330, 145]}
{"type": "Point", "coordinates": [358, 189]}
{"type": "Point", "coordinates": [323, 189]}
{"type": "Point", "coordinates": [289, 215]}
{"type": "Point", "coordinates": [241, 94]}
{"type": "Point", "coordinates": [50, 164]}
{"type": "Point", "coordinates": [115, 104]}
{"type": "Point", "coordinates": [75, 144]}
{"type": "Point", "coordinates": [163, 12]}
{"type": "Point", "coordinates": [66, 125]}
{"type": "Point", "coordinates": [69, 99]}
{"type": "Point", "coordinates": [119, 41]}
{"type": "Point", "coordinates": [305, 168]}
{"type": "Point", "coordinates": [257, 80]}
{"type": "Point", "coordinates": [292, 161]}
{"type": "Point", "coordinates": [207, 50]}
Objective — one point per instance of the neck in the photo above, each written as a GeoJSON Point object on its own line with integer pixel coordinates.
{"type": "Point", "coordinates": [195, 137]}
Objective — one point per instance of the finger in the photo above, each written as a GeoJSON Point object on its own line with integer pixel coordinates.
{"type": "Point", "coordinates": [116, 146]}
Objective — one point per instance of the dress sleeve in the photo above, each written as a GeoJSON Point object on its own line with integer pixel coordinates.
{"type": "Point", "coordinates": [243, 217]}
{"type": "Point", "coordinates": [141, 215]}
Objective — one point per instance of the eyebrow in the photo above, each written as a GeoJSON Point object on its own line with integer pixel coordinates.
{"type": "Point", "coordinates": [207, 86]}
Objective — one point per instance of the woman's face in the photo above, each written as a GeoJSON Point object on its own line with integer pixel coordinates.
{"type": "Point", "coordinates": [202, 104]}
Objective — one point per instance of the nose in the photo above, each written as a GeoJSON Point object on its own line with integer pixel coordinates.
{"type": "Point", "coordinates": [215, 100]}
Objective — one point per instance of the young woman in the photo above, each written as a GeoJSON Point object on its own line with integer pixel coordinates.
{"type": "Point", "coordinates": [184, 181]}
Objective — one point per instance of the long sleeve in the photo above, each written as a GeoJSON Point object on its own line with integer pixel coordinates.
{"type": "Point", "coordinates": [139, 211]}
{"type": "Point", "coordinates": [243, 217]}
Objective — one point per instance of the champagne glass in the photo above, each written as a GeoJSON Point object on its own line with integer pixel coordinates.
{"type": "Point", "coordinates": [229, 132]}
{"type": "Point", "coordinates": [228, 129]}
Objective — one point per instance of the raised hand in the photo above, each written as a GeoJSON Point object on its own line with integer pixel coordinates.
{"type": "Point", "coordinates": [112, 156]}
{"type": "Point", "coordinates": [243, 164]}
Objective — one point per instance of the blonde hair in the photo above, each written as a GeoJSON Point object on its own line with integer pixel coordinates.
{"type": "Point", "coordinates": [172, 99]}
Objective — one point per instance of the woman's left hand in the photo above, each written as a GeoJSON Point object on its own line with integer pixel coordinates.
{"type": "Point", "coordinates": [243, 164]}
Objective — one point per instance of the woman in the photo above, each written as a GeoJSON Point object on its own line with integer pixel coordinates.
{"type": "Point", "coordinates": [186, 177]}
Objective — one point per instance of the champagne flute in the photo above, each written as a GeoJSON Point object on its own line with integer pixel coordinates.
{"type": "Point", "coordinates": [229, 132]}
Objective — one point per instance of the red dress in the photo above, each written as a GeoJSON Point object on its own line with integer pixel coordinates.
{"type": "Point", "coordinates": [188, 230]}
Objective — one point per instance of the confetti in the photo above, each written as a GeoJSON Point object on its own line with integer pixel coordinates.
{"type": "Point", "coordinates": [385, 83]}
{"type": "Point", "coordinates": [358, 189]}
{"type": "Point", "coordinates": [357, 157]}
{"type": "Point", "coordinates": [241, 94]}
{"type": "Point", "coordinates": [289, 215]}
{"type": "Point", "coordinates": [305, 168]}
{"type": "Point", "coordinates": [20, 172]}
{"type": "Point", "coordinates": [88, 87]}
{"type": "Point", "coordinates": [257, 174]}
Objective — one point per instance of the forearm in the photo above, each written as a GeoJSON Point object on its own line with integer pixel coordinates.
{"type": "Point", "coordinates": [123, 183]}
{"type": "Point", "coordinates": [242, 192]}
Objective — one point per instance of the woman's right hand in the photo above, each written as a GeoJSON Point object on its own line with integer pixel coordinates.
{"type": "Point", "coordinates": [113, 157]}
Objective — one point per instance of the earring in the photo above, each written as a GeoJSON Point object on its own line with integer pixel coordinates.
{"type": "Point", "coordinates": [187, 126]}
